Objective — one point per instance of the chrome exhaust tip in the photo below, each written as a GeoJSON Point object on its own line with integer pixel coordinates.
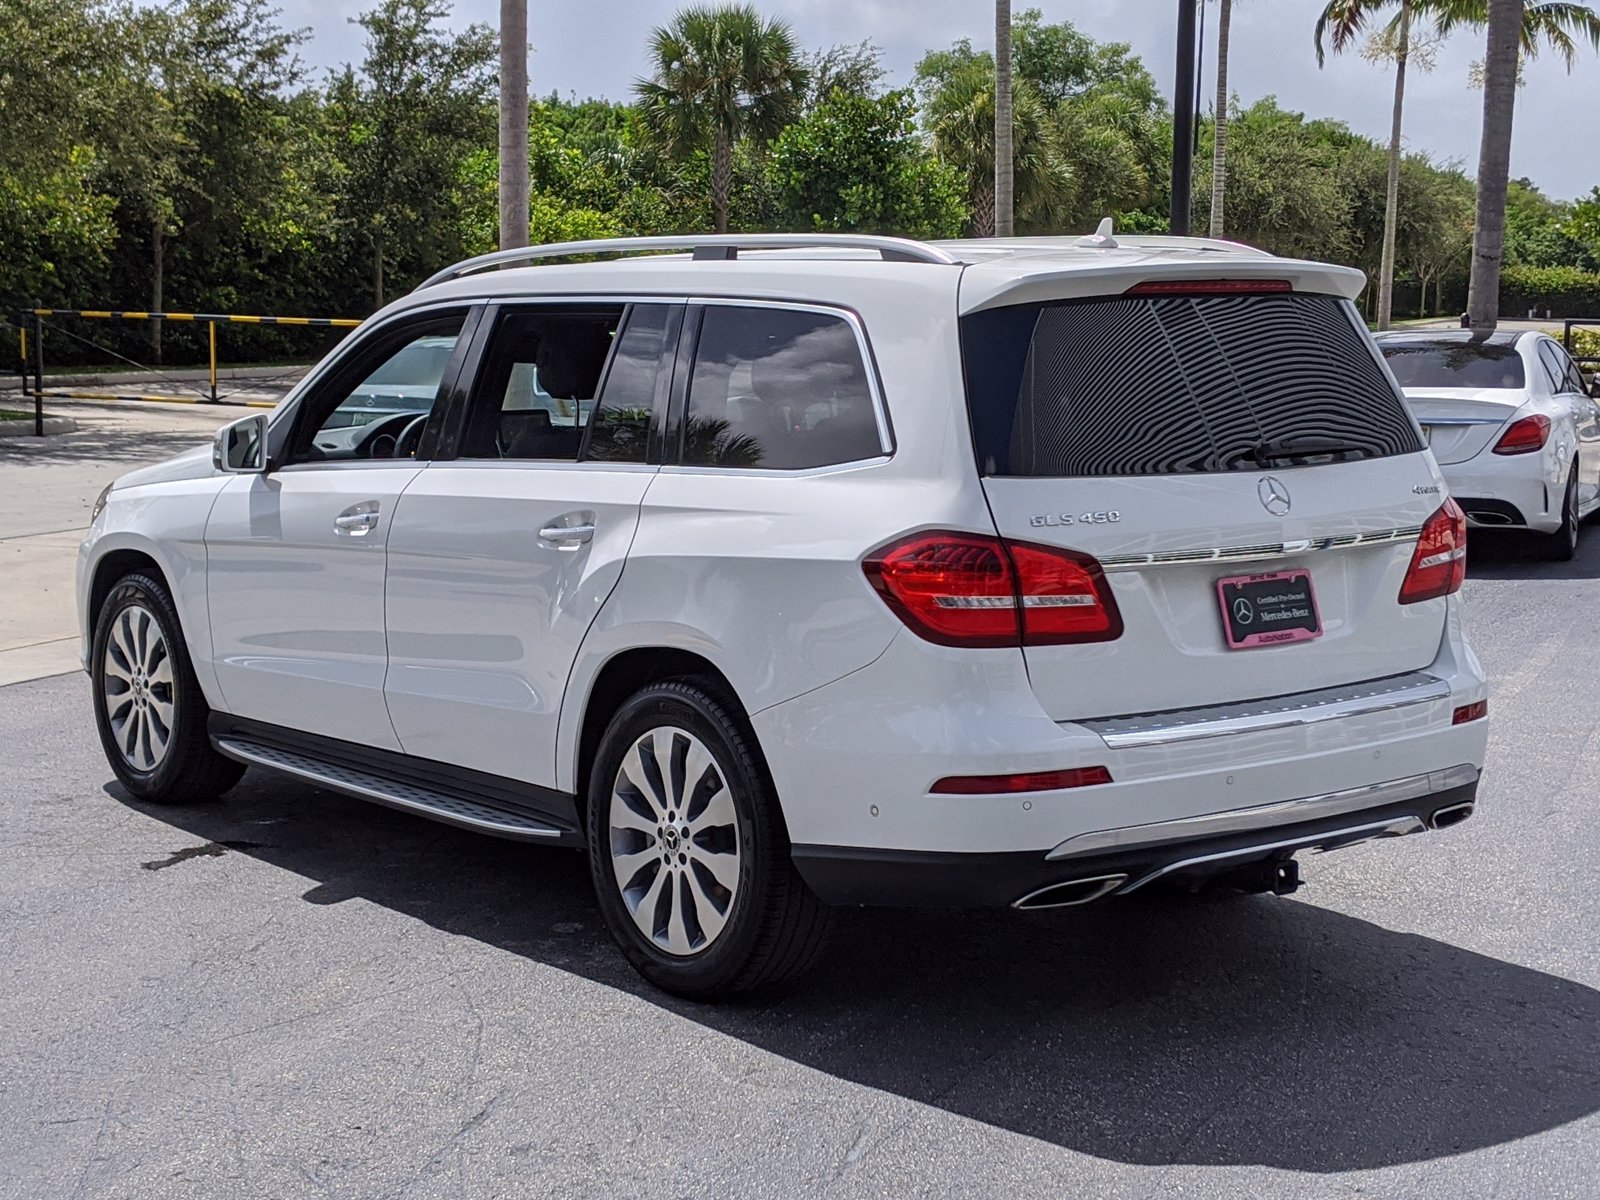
{"type": "Point", "coordinates": [1071, 893]}
{"type": "Point", "coordinates": [1451, 814]}
{"type": "Point", "coordinates": [1490, 518]}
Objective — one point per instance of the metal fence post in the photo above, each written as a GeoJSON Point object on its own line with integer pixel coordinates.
{"type": "Point", "coordinates": [38, 375]}
{"type": "Point", "coordinates": [22, 354]}
{"type": "Point", "coordinates": [211, 330]}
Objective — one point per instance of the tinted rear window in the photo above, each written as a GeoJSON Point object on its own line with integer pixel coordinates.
{"type": "Point", "coordinates": [1175, 385]}
{"type": "Point", "coordinates": [1454, 364]}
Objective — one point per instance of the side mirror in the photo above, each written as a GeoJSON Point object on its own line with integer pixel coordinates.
{"type": "Point", "coordinates": [240, 448]}
{"type": "Point", "coordinates": [1594, 386]}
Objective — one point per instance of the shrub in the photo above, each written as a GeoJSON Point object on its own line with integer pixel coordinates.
{"type": "Point", "coordinates": [1563, 291]}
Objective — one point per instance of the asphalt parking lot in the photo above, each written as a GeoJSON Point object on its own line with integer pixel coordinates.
{"type": "Point", "coordinates": [286, 993]}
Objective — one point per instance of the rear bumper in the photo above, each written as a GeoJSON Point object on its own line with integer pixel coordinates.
{"type": "Point", "coordinates": [1508, 491]}
{"type": "Point", "coordinates": [1119, 861]}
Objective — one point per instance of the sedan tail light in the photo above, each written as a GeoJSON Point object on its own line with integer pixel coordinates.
{"type": "Point", "coordinates": [965, 589]}
{"type": "Point", "coordinates": [1439, 563]}
{"type": "Point", "coordinates": [1524, 436]}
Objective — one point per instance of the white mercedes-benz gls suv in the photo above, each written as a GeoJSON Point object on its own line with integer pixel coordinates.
{"type": "Point", "coordinates": [783, 572]}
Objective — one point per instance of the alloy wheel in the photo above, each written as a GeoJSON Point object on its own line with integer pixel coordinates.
{"type": "Point", "coordinates": [137, 688]}
{"type": "Point", "coordinates": [674, 840]}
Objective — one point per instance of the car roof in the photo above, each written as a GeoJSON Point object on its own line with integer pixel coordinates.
{"type": "Point", "coordinates": [822, 268]}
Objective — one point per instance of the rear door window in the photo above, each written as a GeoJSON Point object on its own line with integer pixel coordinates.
{"type": "Point", "coordinates": [1177, 385]}
{"type": "Point", "coordinates": [778, 388]}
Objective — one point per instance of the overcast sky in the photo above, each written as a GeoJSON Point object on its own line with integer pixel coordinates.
{"type": "Point", "coordinates": [596, 48]}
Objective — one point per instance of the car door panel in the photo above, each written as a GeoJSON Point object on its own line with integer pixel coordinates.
{"type": "Point", "coordinates": [295, 570]}
{"type": "Point", "coordinates": [492, 585]}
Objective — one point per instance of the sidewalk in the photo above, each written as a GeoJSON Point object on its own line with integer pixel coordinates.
{"type": "Point", "coordinates": [47, 489]}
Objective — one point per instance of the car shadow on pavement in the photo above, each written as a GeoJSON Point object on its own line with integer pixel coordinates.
{"type": "Point", "coordinates": [1492, 555]}
{"type": "Point", "coordinates": [1165, 1031]}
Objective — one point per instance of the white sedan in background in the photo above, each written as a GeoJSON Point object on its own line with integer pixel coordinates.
{"type": "Point", "coordinates": [1514, 428]}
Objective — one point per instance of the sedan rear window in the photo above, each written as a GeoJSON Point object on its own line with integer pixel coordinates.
{"type": "Point", "coordinates": [1177, 385]}
{"type": "Point", "coordinates": [1454, 364]}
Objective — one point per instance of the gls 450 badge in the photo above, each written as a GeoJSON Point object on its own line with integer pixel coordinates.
{"type": "Point", "coordinates": [1051, 520]}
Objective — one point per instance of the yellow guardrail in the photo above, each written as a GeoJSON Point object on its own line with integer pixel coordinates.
{"type": "Point", "coordinates": [31, 357]}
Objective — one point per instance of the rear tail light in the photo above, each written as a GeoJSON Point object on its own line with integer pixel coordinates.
{"type": "Point", "coordinates": [1439, 563]}
{"type": "Point", "coordinates": [1476, 711]}
{"type": "Point", "coordinates": [964, 589]}
{"type": "Point", "coordinates": [1524, 436]}
{"type": "Point", "coordinates": [1036, 781]}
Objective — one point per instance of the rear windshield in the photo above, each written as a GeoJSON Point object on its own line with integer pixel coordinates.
{"type": "Point", "coordinates": [1177, 385]}
{"type": "Point", "coordinates": [1454, 364]}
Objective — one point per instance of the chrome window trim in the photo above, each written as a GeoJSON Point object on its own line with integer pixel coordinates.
{"type": "Point", "coordinates": [1257, 716]}
{"type": "Point", "coordinates": [1258, 553]}
{"type": "Point", "coordinates": [1266, 816]}
{"type": "Point", "coordinates": [880, 408]}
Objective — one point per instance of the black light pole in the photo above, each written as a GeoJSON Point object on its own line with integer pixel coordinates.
{"type": "Point", "coordinates": [1183, 120]}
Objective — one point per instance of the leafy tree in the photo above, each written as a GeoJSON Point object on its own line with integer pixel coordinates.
{"type": "Point", "coordinates": [405, 123]}
{"type": "Point", "coordinates": [721, 76]}
{"type": "Point", "coordinates": [857, 163]}
{"type": "Point", "coordinates": [855, 70]}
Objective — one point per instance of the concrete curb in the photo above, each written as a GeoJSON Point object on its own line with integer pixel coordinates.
{"type": "Point", "coordinates": [14, 429]}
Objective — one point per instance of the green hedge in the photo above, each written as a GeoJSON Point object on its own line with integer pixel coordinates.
{"type": "Point", "coordinates": [1563, 291]}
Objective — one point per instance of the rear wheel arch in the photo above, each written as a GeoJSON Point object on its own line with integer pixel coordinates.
{"type": "Point", "coordinates": [631, 670]}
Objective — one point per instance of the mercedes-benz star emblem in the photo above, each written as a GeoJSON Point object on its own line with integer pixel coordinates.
{"type": "Point", "coordinates": [1243, 611]}
{"type": "Point", "coordinates": [1274, 495]}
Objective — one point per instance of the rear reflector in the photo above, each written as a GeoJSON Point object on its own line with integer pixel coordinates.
{"type": "Point", "coordinates": [966, 589]}
{"type": "Point", "coordinates": [1476, 711]}
{"type": "Point", "coordinates": [1208, 287]}
{"type": "Point", "coordinates": [1439, 563]}
{"type": "Point", "coordinates": [1037, 781]}
{"type": "Point", "coordinates": [1524, 436]}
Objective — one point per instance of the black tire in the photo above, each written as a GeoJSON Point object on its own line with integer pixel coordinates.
{"type": "Point", "coordinates": [1562, 545]}
{"type": "Point", "coordinates": [187, 768]}
{"type": "Point", "coordinates": [773, 927]}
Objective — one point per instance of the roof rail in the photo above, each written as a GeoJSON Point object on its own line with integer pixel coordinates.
{"type": "Point", "coordinates": [703, 246]}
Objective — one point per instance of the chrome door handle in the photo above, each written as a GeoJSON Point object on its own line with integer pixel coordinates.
{"type": "Point", "coordinates": [567, 536]}
{"type": "Point", "coordinates": [358, 520]}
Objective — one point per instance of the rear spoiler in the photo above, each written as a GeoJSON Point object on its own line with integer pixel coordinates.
{"type": "Point", "coordinates": [1028, 279]}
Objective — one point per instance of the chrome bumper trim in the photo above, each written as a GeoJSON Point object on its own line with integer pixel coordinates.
{"type": "Point", "coordinates": [1265, 816]}
{"type": "Point", "coordinates": [1259, 553]}
{"type": "Point", "coordinates": [1280, 712]}
{"type": "Point", "coordinates": [1321, 843]}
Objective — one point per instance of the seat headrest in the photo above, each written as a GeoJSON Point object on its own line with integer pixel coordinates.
{"type": "Point", "coordinates": [570, 357]}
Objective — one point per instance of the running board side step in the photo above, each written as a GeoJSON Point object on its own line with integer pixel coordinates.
{"type": "Point", "coordinates": [406, 796]}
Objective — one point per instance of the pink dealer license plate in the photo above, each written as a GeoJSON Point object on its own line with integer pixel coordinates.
{"type": "Point", "coordinates": [1267, 610]}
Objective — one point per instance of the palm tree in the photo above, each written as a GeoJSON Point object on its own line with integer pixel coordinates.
{"type": "Point", "coordinates": [960, 118]}
{"type": "Point", "coordinates": [1219, 133]}
{"type": "Point", "coordinates": [1516, 28]}
{"type": "Point", "coordinates": [721, 75]}
{"type": "Point", "coordinates": [1003, 182]}
{"type": "Point", "coordinates": [1345, 20]}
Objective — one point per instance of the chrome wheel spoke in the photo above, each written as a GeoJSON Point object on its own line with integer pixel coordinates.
{"type": "Point", "coordinates": [710, 914]}
{"type": "Point", "coordinates": [674, 840]}
{"type": "Point", "coordinates": [677, 936]}
{"type": "Point", "coordinates": [724, 868]}
{"type": "Point", "coordinates": [717, 812]}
